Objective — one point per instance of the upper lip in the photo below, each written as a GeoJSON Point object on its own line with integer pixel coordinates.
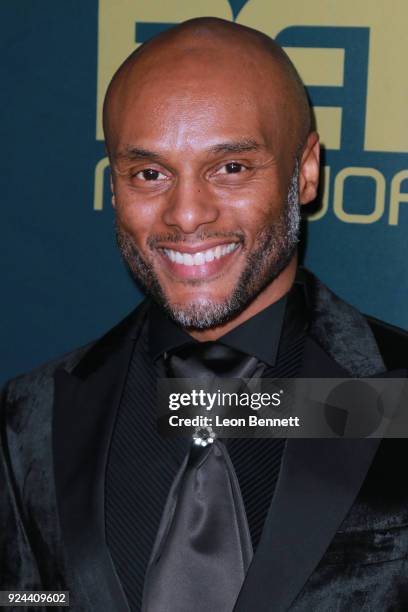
{"type": "Point", "coordinates": [182, 247]}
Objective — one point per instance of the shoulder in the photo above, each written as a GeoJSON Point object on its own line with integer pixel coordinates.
{"type": "Point", "coordinates": [392, 342]}
{"type": "Point", "coordinates": [39, 382]}
{"type": "Point", "coordinates": [361, 344]}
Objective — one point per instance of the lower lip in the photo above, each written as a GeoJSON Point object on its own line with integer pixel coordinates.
{"type": "Point", "coordinates": [204, 271]}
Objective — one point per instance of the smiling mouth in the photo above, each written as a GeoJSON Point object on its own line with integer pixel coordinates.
{"type": "Point", "coordinates": [202, 257]}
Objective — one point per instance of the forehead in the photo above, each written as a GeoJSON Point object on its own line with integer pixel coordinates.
{"type": "Point", "coordinates": [190, 104]}
{"type": "Point", "coordinates": [190, 123]}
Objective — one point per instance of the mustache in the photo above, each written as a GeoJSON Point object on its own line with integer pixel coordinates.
{"type": "Point", "coordinates": [179, 237]}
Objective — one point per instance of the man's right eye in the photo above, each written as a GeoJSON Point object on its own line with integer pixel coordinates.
{"type": "Point", "coordinates": [149, 174]}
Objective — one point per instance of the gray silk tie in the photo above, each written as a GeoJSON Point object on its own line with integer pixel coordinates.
{"type": "Point", "coordinates": [203, 546]}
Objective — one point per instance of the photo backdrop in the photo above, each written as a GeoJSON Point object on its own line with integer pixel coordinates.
{"type": "Point", "coordinates": [63, 281]}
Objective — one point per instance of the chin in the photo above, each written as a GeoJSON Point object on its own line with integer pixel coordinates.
{"type": "Point", "coordinates": [201, 313]}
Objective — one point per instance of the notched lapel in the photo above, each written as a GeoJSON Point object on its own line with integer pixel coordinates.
{"type": "Point", "coordinates": [317, 485]}
{"type": "Point", "coordinates": [319, 478]}
{"type": "Point", "coordinates": [85, 408]}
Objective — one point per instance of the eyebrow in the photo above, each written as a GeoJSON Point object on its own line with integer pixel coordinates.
{"type": "Point", "coordinates": [238, 146]}
{"type": "Point", "coordinates": [133, 153]}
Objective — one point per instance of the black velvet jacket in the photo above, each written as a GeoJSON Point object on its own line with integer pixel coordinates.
{"type": "Point", "coordinates": [336, 535]}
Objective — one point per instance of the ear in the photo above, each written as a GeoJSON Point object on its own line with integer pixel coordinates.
{"type": "Point", "coordinates": [309, 169]}
{"type": "Point", "coordinates": [112, 190]}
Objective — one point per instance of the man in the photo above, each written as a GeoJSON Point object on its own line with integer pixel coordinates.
{"type": "Point", "coordinates": [212, 151]}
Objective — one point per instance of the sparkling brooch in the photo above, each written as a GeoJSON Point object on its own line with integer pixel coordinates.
{"type": "Point", "coordinates": [203, 436]}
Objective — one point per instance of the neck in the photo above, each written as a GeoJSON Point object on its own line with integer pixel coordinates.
{"type": "Point", "coordinates": [272, 293]}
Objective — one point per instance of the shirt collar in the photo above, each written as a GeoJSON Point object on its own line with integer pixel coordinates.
{"type": "Point", "coordinates": [258, 336]}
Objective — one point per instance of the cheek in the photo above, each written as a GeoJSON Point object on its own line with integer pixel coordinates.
{"type": "Point", "coordinates": [258, 208]}
{"type": "Point", "coordinates": [135, 216]}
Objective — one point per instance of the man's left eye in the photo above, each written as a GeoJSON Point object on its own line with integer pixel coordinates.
{"type": "Point", "coordinates": [231, 168]}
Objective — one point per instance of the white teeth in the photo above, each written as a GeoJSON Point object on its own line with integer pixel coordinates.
{"type": "Point", "coordinates": [188, 259]}
{"type": "Point", "coordinates": [198, 259]}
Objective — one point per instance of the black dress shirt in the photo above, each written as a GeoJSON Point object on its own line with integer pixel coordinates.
{"type": "Point", "coordinates": [142, 464]}
{"type": "Point", "coordinates": [258, 336]}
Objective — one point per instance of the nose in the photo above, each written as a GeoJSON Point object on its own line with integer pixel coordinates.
{"type": "Point", "coordinates": [190, 205]}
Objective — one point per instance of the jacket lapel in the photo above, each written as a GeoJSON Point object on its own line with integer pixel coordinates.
{"type": "Point", "coordinates": [317, 485]}
{"type": "Point", "coordinates": [319, 478]}
{"type": "Point", "coordinates": [318, 482]}
{"type": "Point", "coordinates": [85, 406]}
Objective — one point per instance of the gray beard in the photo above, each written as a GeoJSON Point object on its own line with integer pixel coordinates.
{"type": "Point", "coordinates": [276, 246]}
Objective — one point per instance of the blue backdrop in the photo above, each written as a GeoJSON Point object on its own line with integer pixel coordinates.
{"type": "Point", "coordinates": [63, 281]}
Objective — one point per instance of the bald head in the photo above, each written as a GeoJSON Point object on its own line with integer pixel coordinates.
{"type": "Point", "coordinates": [204, 55]}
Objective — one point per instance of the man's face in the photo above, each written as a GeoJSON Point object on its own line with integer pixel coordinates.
{"type": "Point", "coordinates": [206, 193]}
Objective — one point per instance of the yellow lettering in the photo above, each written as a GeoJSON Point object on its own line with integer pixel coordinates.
{"type": "Point", "coordinates": [379, 205]}
{"type": "Point", "coordinates": [387, 89]}
{"type": "Point", "coordinates": [99, 183]}
{"type": "Point", "coordinates": [396, 196]}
